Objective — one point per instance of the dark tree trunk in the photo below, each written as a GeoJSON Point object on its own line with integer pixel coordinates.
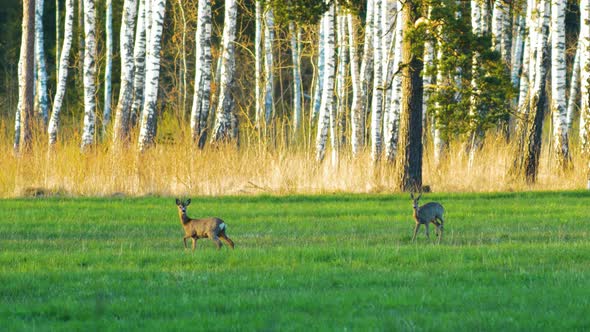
{"type": "Point", "coordinates": [27, 58]}
{"type": "Point", "coordinates": [409, 163]}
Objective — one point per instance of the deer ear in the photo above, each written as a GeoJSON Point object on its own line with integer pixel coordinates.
{"type": "Point", "coordinates": [177, 201]}
{"type": "Point", "coordinates": [188, 201]}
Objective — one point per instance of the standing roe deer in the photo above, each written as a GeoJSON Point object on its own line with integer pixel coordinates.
{"type": "Point", "coordinates": [213, 228]}
{"type": "Point", "coordinates": [426, 214]}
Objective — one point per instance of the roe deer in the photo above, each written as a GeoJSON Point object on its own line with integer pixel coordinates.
{"type": "Point", "coordinates": [426, 214]}
{"type": "Point", "coordinates": [213, 228]}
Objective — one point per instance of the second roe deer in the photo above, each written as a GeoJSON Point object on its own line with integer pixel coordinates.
{"type": "Point", "coordinates": [213, 228]}
{"type": "Point", "coordinates": [426, 214]}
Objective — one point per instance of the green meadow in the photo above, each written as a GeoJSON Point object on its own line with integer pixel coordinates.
{"type": "Point", "coordinates": [508, 261]}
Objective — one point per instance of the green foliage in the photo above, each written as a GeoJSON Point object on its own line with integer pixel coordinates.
{"type": "Point", "coordinates": [330, 262]}
{"type": "Point", "coordinates": [452, 98]}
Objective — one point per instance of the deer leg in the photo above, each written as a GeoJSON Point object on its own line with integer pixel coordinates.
{"type": "Point", "coordinates": [194, 243]}
{"type": "Point", "coordinates": [215, 239]}
{"type": "Point", "coordinates": [437, 229]}
{"type": "Point", "coordinates": [184, 241]}
{"type": "Point", "coordinates": [226, 239]}
{"type": "Point", "coordinates": [427, 232]}
{"type": "Point", "coordinates": [415, 231]}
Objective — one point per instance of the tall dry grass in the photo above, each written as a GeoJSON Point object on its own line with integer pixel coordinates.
{"type": "Point", "coordinates": [175, 167]}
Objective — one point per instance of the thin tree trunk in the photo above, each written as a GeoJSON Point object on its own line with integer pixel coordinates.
{"type": "Point", "coordinates": [377, 101]}
{"type": "Point", "coordinates": [26, 92]}
{"type": "Point", "coordinates": [121, 127]}
{"type": "Point", "coordinates": [584, 45]}
{"type": "Point", "coordinates": [222, 130]}
{"type": "Point", "coordinates": [63, 73]}
{"type": "Point", "coordinates": [147, 131]}
{"type": "Point", "coordinates": [89, 74]}
{"type": "Point", "coordinates": [319, 88]}
{"type": "Point", "coordinates": [183, 89]}
{"type": "Point", "coordinates": [391, 143]}
{"type": "Point", "coordinates": [81, 44]}
{"type": "Point", "coordinates": [21, 86]}
{"type": "Point", "coordinates": [366, 71]}
{"type": "Point", "coordinates": [108, 73]}
{"type": "Point", "coordinates": [538, 97]}
{"type": "Point", "coordinates": [558, 84]}
{"type": "Point", "coordinates": [57, 38]}
{"type": "Point", "coordinates": [139, 65]}
{"type": "Point", "coordinates": [356, 117]}
{"type": "Point", "coordinates": [202, 95]}
{"type": "Point", "coordinates": [328, 89]}
{"type": "Point", "coordinates": [269, 36]}
{"type": "Point", "coordinates": [574, 94]}
{"type": "Point", "coordinates": [409, 172]}
{"type": "Point", "coordinates": [258, 63]}
{"type": "Point", "coordinates": [41, 96]}
{"type": "Point", "coordinates": [428, 78]}
{"type": "Point", "coordinates": [295, 33]}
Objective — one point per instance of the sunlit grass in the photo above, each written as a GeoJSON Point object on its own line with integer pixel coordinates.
{"type": "Point", "coordinates": [175, 167]}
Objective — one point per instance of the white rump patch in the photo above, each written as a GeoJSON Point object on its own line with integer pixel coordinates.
{"type": "Point", "coordinates": [222, 226]}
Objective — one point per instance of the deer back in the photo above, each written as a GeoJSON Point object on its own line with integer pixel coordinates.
{"type": "Point", "coordinates": [204, 227]}
{"type": "Point", "coordinates": [430, 211]}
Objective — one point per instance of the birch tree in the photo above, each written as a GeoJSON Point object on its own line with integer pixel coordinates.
{"type": "Point", "coordinates": [337, 117]}
{"type": "Point", "coordinates": [121, 126]}
{"type": "Point", "coordinates": [584, 45]}
{"type": "Point", "coordinates": [222, 129]}
{"type": "Point", "coordinates": [202, 95]}
{"type": "Point", "coordinates": [574, 93]}
{"type": "Point", "coordinates": [328, 85]}
{"type": "Point", "coordinates": [295, 33]}
{"type": "Point", "coordinates": [63, 72]}
{"type": "Point", "coordinates": [108, 73]}
{"type": "Point", "coordinates": [25, 106]}
{"type": "Point", "coordinates": [269, 35]}
{"type": "Point", "coordinates": [139, 64]}
{"type": "Point", "coordinates": [477, 30]}
{"type": "Point", "coordinates": [319, 84]}
{"type": "Point", "coordinates": [538, 95]}
{"type": "Point", "coordinates": [366, 71]}
{"type": "Point", "coordinates": [558, 83]}
{"type": "Point", "coordinates": [147, 130]}
{"type": "Point", "coordinates": [377, 101]}
{"type": "Point", "coordinates": [41, 95]}
{"type": "Point", "coordinates": [258, 63]}
{"type": "Point", "coordinates": [391, 142]}
{"type": "Point", "coordinates": [356, 116]}
{"type": "Point", "coordinates": [57, 38]}
{"type": "Point", "coordinates": [89, 74]}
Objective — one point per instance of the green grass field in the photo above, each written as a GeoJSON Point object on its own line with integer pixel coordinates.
{"type": "Point", "coordinates": [513, 261]}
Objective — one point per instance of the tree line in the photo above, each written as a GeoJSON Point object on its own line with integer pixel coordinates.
{"type": "Point", "coordinates": [384, 75]}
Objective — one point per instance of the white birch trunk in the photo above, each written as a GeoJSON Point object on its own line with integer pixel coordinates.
{"type": "Point", "coordinates": [57, 39]}
{"type": "Point", "coordinates": [328, 88]}
{"type": "Point", "coordinates": [202, 95]}
{"type": "Point", "coordinates": [19, 106]}
{"type": "Point", "coordinates": [121, 127]}
{"type": "Point", "coordinates": [147, 130]}
{"type": "Point", "coordinates": [319, 85]}
{"type": "Point", "coordinates": [139, 64]}
{"type": "Point", "coordinates": [269, 36]}
{"type": "Point", "coordinates": [338, 117]}
{"type": "Point", "coordinates": [388, 13]}
{"type": "Point", "coordinates": [517, 57]}
{"type": "Point", "coordinates": [258, 63]}
{"type": "Point", "coordinates": [478, 27]}
{"type": "Point", "coordinates": [41, 95]}
{"type": "Point", "coordinates": [295, 33]}
{"type": "Point", "coordinates": [428, 80]}
{"type": "Point", "coordinates": [222, 129]}
{"type": "Point", "coordinates": [356, 118]}
{"type": "Point", "coordinates": [377, 101]}
{"type": "Point", "coordinates": [498, 13]}
{"type": "Point", "coordinates": [53, 126]}
{"type": "Point", "coordinates": [89, 74]}
{"type": "Point", "coordinates": [574, 93]}
{"type": "Point", "coordinates": [108, 73]}
{"type": "Point", "coordinates": [396, 89]}
{"type": "Point", "coordinates": [584, 45]}
{"type": "Point", "coordinates": [366, 71]}
{"type": "Point", "coordinates": [558, 82]}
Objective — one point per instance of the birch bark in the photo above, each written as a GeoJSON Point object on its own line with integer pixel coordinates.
{"type": "Point", "coordinates": [89, 74]}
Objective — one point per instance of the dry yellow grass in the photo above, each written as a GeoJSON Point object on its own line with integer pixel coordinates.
{"type": "Point", "coordinates": [174, 168]}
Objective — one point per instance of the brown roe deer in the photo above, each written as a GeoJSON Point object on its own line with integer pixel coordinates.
{"type": "Point", "coordinates": [213, 228]}
{"type": "Point", "coordinates": [426, 214]}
